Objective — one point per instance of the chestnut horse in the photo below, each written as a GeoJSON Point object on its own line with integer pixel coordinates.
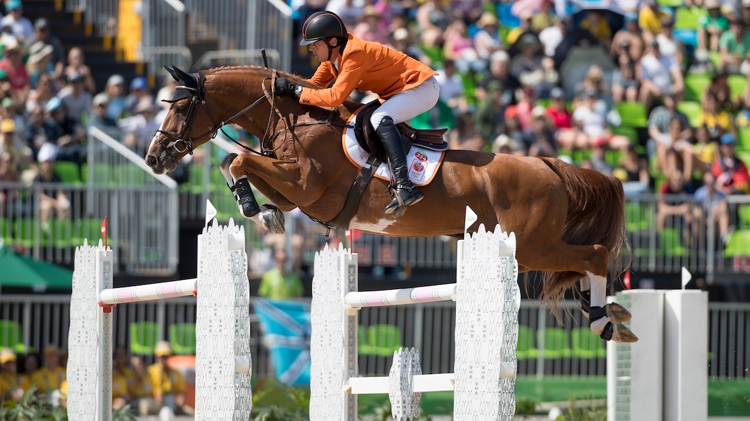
{"type": "Point", "coordinates": [569, 222]}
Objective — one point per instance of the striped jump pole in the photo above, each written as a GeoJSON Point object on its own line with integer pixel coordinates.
{"type": "Point", "coordinates": [487, 302]}
{"type": "Point", "coordinates": [223, 361]}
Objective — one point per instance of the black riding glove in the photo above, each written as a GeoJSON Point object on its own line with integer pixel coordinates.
{"type": "Point", "coordinates": [285, 87]}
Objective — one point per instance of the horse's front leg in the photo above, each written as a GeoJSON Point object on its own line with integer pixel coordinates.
{"type": "Point", "coordinates": [267, 216]}
{"type": "Point", "coordinates": [602, 313]}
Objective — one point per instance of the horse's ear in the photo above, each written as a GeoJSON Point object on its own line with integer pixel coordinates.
{"type": "Point", "coordinates": [173, 73]}
{"type": "Point", "coordinates": [185, 77]}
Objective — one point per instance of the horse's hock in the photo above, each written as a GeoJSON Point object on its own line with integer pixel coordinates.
{"type": "Point", "coordinates": [487, 301]}
{"type": "Point", "coordinates": [223, 362]}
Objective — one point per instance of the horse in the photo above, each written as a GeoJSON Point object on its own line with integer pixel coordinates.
{"type": "Point", "coordinates": [569, 222]}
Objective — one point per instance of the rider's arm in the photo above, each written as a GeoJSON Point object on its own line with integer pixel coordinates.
{"type": "Point", "coordinates": [350, 76]}
{"type": "Point", "coordinates": [323, 75]}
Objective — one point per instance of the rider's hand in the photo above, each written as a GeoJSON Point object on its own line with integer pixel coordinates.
{"type": "Point", "coordinates": [285, 87]}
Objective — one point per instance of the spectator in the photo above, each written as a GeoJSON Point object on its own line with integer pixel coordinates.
{"type": "Point", "coordinates": [624, 85]}
{"type": "Point", "coordinates": [8, 174]}
{"type": "Point", "coordinates": [141, 124]}
{"type": "Point", "coordinates": [139, 92]}
{"type": "Point", "coordinates": [558, 110]}
{"type": "Point", "coordinates": [595, 80]}
{"type": "Point", "coordinates": [672, 153]}
{"type": "Point", "coordinates": [49, 377]}
{"type": "Point", "coordinates": [719, 87]}
{"type": "Point", "coordinates": [76, 99]}
{"type": "Point", "coordinates": [21, 155]}
{"type": "Point", "coordinates": [730, 172]}
{"type": "Point", "coordinates": [465, 135]}
{"type": "Point", "coordinates": [42, 34]}
{"type": "Point", "coordinates": [528, 67]}
{"type": "Point", "coordinates": [499, 72]}
{"type": "Point", "coordinates": [712, 208]}
{"type": "Point", "coordinates": [669, 45]}
{"type": "Point", "coordinates": [166, 93]}
{"type": "Point", "coordinates": [658, 120]}
{"type": "Point", "coordinates": [552, 36]}
{"type": "Point", "coordinates": [41, 94]}
{"type": "Point", "coordinates": [100, 120]}
{"type": "Point", "coordinates": [599, 156]}
{"type": "Point", "coordinates": [51, 200]}
{"type": "Point", "coordinates": [349, 12]}
{"type": "Point", "coordinates": [589, 124]}
{"type": "Point", "coordinates": [369, 28]}
{"type": "Point", "coordinates": [628, 40]}
{"type": "Point", "coordinates": [595, 23]}
{"type": "Point", "coordinates": [658, 75]}
{"type": "Point", "coordinates": [143, 392]}
{"type": "Point", "coordinates": [64, 132]}
{"type": "Point", "coordinates": [433, 15]}
{"type": "Point", "coordinates": [277, 283]}
{"type": "Point", "coordinates": [20, 27]}
{"type": "Point", "coordinates": [674, 207]}
{"type": "Point", "coordinates": [38, 62]}
{"type": "Point", "coordinates": [9, 378]}
{"type": "Point", "coordinates": [704, 150]}
{"type": "Point", "coordinates": [745, 10]}
{"type": "Point", "coordinates": [505, 145]}
{"type": "Point", "coordinates": [649, 20]}
{"type": "Point", "coordinates": [35, 133]}
{"type": "Point", "coordinates": [486, 40]}
{"type": "Point", "coordinates": [735, 47]}
{"type": "Point", "coordinates": [451, 87]}
{"type": "Point", "coordinates": [717, 120]}
{"type": "Point", "coordinates": [114, 94]}
{"type": "Point", "coordinates": [459, 47]}
{"type": "Point", "coordinates": [540, 139]}
{"type": "Point", "coordinates": [120, 367]}
{"type": "Point", "coordinates": [12, 63]}
{"type": "Point", "coordinates": [168, 384]}
{"type": "Point", "coordinates": [75, 66]}
{"type": "Point", "coordinates": [632, 171]}
{"type": "Point", "coordinates": [743, 117]}
{"type": "Point", "coordinates": [711, 26]}
{"type": "Point", "coordinates": [544, 17]}
{"type": "Point", "coordinates": [402, 42]}
{"type": "Point", "coordinates": [490, 111]}
{"type": "Point", "coordinates": [521, 29]}
{"type": "Point", "coordinates": [120, 393]}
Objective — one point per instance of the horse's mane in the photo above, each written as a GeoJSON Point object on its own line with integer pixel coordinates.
{"type": "Point", "coordinates": [261, 71]}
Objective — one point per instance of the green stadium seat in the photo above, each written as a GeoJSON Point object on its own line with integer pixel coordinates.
{"type": "Point", "coordinates": [362, 346]}
{"type": "Point", "coordinates": [11, 336]}
{"type": "Point", "coordinates": [5, 231]}
{"type": "Point", "coordinates": [87, 228]}
{"type": "Point", "coordinates": [555, 343]}
{"type": "Point", "coordinates": [671, 242]}
{"type": "Point", "coordinates": [695, 86]}
{"type": "Point", "coordinates": [69, 172]}
{"type": "Point", "coordinates": [738, 244]}
{"type": "Point", "coordinates": [526, 350]}
{"type": "Point", "coordinates": [384, 339]}
{"type": "Point", "coordinates": [737, 84]}
{"type": "Point", "coordinates": [687, 18]}
{"type": "Point", "coordinates": [632, 114]}
{"type": "Point", "coordinates": [715, 58]}
{"type": "Point", "coordinates": [182, 338]}
{"type": "Point", "coordinates": [670, 3]}
{"type": "Point", "coordinates": [691, 109]}
{"type": "Point", "coordinates": [629, 132]}
{"type": "Point", "coordinates": [143, 338]}
{"type": "Point", "coordinates": [587, 344]}
{"type": "Point", "coordinates": [743, 216]}
{"type": "Point", "coordinates": [743, 139]}
{"type": "Point", "coordinates": [23, 232]}
{"type": "Point", "coordinates": [638, 217]}
{"type": "Point", "coordinates": [61, 233]}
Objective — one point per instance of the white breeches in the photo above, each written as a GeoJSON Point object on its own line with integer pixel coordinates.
{"type": "Point", "coordinates": [408, 104]}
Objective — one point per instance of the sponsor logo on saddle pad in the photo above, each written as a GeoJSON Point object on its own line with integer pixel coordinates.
{"type": "Point", "coordinates": [423, 163]}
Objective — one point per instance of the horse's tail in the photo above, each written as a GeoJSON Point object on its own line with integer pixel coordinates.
{"type": "Point", "coordinates": [596, 215]}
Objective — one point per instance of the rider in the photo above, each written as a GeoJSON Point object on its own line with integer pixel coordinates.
{"type": "Point", "coordinates": [406, 86]}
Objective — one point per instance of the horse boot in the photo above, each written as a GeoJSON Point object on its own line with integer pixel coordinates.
{"type": "Point", "coordinates": [404, 193]}
{"type": "Point", "coordinates": [245, 198]}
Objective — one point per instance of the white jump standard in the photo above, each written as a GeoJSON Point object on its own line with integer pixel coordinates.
{"type": "Point", "coordinates": [223, 361]}
{"type": "Point", "coordinates": [487, 301]}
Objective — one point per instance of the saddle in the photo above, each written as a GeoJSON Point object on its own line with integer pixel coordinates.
{"type": "Point", "coordinates": [369, 140]}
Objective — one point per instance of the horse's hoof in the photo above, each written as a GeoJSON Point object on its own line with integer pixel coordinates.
{"type": "Point", "coordinates": [617, 313]}
{"type": "Point", "coordinates": [621, 333]}
{"type": "Point", "coordinates": [272, 219]}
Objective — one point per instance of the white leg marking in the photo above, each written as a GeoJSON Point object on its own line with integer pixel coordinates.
{"type": "Point", "coordinates": [598, 299]}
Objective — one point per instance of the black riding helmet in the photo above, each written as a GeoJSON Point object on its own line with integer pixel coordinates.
{"type": "Point", "coordinates": [322, 25]}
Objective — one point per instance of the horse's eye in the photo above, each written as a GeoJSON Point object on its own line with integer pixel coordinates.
{"type": "Point", "coordinates": [179, 109]}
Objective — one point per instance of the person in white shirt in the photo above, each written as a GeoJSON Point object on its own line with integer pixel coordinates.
{"type": "Point", "coordinates": [349, 11]}
{"type": "Point", "coordinates": [20, 27]}
{"type": "Point", "coordinates": [658, 75]}
{"type": "Point", "coordinates": [552, 36]}
{"type": "Point", "coordinates": [486, 40]}
{"type": "Point", "coordinates": [451, 87]}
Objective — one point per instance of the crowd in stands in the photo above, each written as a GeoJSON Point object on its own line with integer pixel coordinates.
{"type": "Point", "coordinates": [153, 390]}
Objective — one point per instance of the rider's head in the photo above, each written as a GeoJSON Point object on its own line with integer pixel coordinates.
{"type": "Point", "coordinates": [326, 27]}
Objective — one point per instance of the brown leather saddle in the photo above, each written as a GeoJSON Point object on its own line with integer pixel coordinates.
{"type": "Point", "coordinates": [370, 141]}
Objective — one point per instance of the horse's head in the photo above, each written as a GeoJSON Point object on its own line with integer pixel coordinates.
{"type": "Point", "coordinates": [187, 125]}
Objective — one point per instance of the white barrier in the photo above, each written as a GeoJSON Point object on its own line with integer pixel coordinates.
{"type": "Point", "coordinates": [223, 361]}
{"type": "Point", "coordinates": [487, 301]}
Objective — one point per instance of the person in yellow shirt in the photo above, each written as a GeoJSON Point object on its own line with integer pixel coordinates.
{"type": "Point", "coordinates": [649, 19]}
{"type": "Point", "coordinates": [50, 377]}
{"type": "Point", "coordinates": [168, 384]}
{"type": "Point", "coordinates": [30, 365]}
{"type": "Point", "coordinates": [120, 368]}
{"type": "Point", "coordinates": [9, 384]}
{"type": "Point", "coordinates": [120, 391]}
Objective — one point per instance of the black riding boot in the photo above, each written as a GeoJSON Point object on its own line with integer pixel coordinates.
{"type": "Point", "coordinates": [405, 193]}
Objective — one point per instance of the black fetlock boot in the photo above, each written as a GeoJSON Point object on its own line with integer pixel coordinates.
{"type": "Point", "coordinates": [404, 193]}
{"type": "Point", "coordinates": [245, 198]}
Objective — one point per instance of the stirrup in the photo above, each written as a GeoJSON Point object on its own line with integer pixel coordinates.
{"type": "Point", "coordinates": [403, 196]}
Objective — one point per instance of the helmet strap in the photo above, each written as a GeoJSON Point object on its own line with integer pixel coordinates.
{"type": "Point", "coordinates": [330, 48]}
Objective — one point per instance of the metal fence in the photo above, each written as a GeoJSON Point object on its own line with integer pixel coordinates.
{"type": "Point", "coordinates": [163, 41]}
{"type": "Point", "coordinates": [99, 15]}
{"type": "Point", "coordinates": [44, 320]}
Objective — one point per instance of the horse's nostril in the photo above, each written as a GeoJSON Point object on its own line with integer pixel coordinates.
{"type": "Point", "coordinates": [151, 161]}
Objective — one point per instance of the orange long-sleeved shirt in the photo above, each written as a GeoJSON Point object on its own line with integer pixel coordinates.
{"type": "Point", "coordinates": [365, 66]}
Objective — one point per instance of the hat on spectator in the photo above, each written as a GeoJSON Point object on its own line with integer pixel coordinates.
{"type": "Point", "coordinates": [370, 10]}
{"type": "Point", "coordinates": [7, 355]}
{"type": "Point", "coordinates": [41, 24]}
{"type": "Point", "coordinates": [556, 93]}
{"type": "Point", "coordinates": [9, 42]}
{"type": "Point", "coordinates": [100, 99]}
{"type": "Point", "coordinates": [401, 34]}
{"type": "Point", "coordinates": [115, 80]}
{"type": "Point", "coordinates": [727, 139]}
{"type": "Point", "coordinates": [13, 5]}
{"type": "Point", "coordinates": [712, 4]}
{"type": "Point", "coordinates": [38, 51]}
{"type": "Point", "coordinates": [7, 126]}
{"type": "Point", "coordinates": [504, 140]}
{"type": "Point", "coordinates": [538, 111]}
{"type": "Point", "coordinates": [48, 152]}
{"type": "Point", "coordinates": [631, 17]}
{"type": "Point", "coordinates": [139, 83]}
{"type": "Point", "coordinates": [53, 104]}
{"type": "Point", "coordinates": [162, 349]}
{"type": "Point", "coordinates": [499, 56]}
{"type": "Point", "coordinates": [745, 3]}
{"type": "Point", "coordinates": [486, 19]}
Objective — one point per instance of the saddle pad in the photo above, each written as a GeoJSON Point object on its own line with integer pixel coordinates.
{"type": "Point", "coordinates": [423, 163]}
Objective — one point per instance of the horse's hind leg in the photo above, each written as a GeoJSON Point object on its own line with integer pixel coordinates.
{"type": "Point", "coordinates": [268, 216]}
{"type": "Point", "coordinates": [615, 312]}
